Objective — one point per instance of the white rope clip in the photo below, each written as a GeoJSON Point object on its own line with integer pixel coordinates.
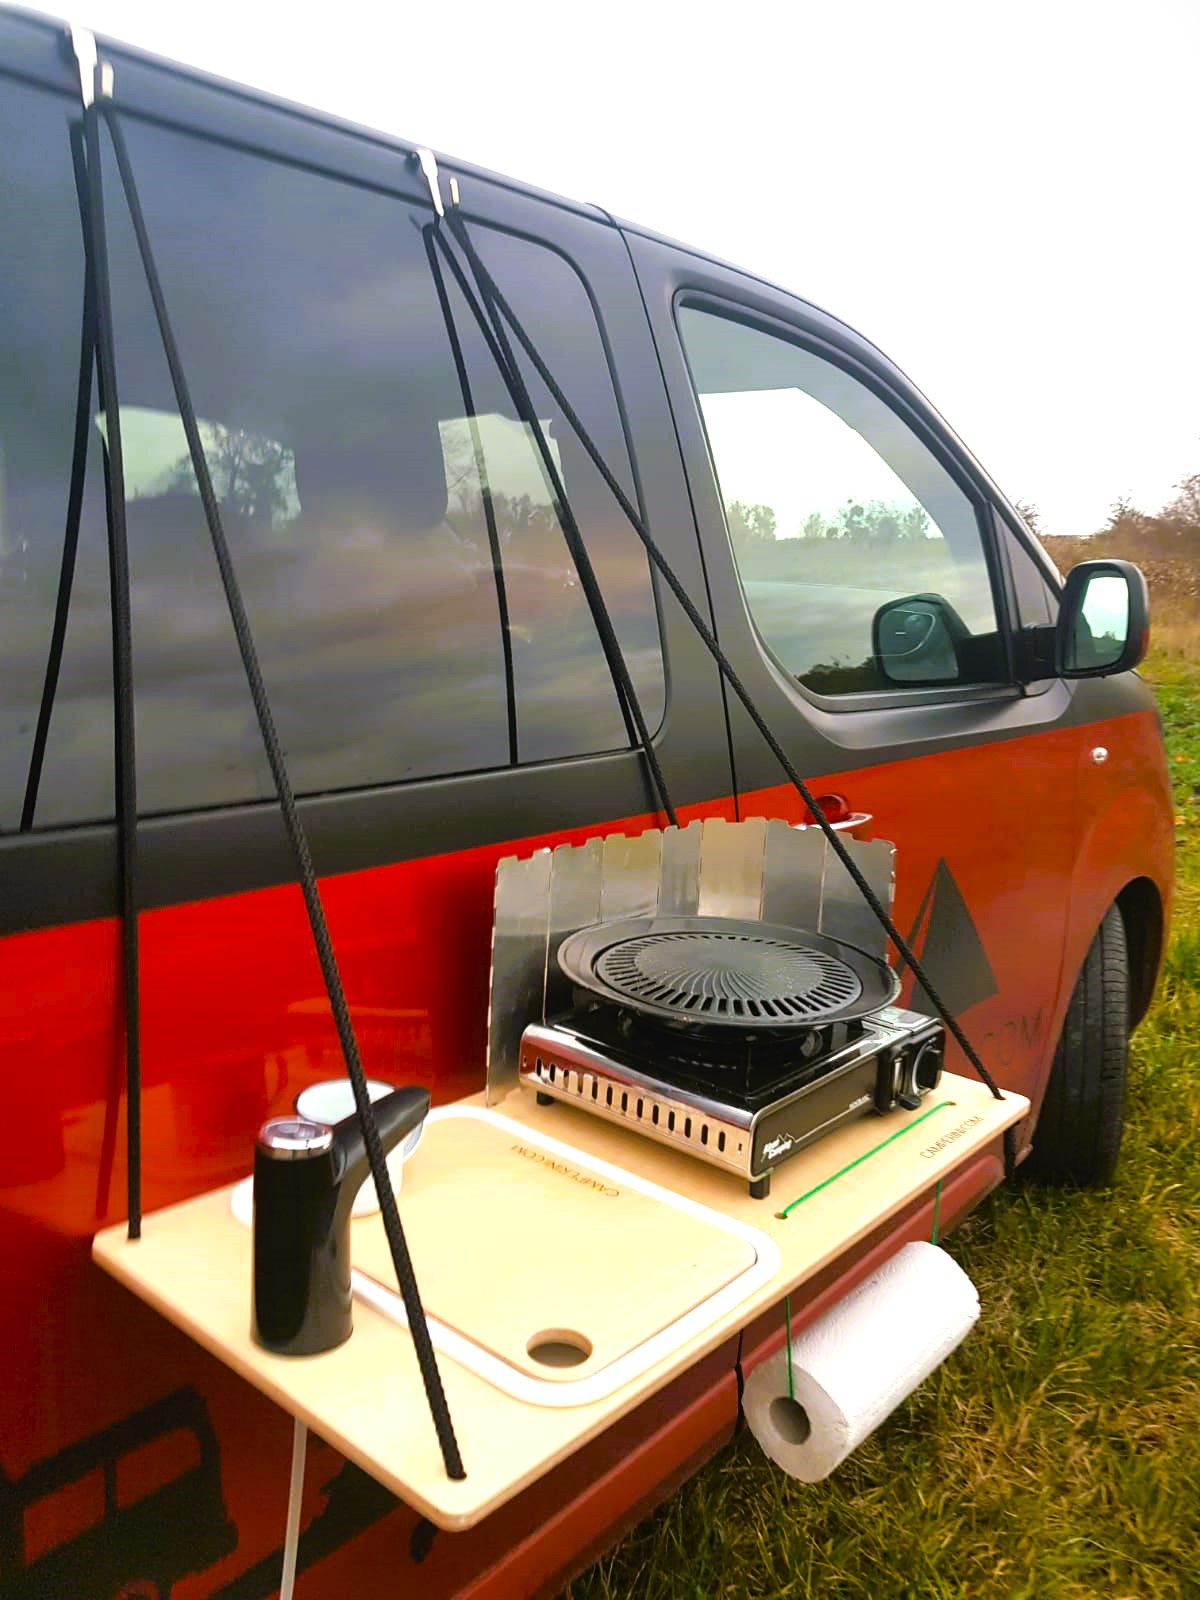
{"type": "Point", "coordinates": [429, 168]}
{"type": "Point", "coordinates": [95, 76]}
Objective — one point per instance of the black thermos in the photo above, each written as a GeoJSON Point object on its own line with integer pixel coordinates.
{"type": "Point", "coordinates": [305, 1178]}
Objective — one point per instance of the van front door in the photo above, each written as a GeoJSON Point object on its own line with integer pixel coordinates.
{"type": "Point", "coordinates": [861, 590]}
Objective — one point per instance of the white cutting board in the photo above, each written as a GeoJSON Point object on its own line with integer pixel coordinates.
{"type": "Point", "coordinates": [524, 1248]}
{"type": "Point", "coordinates": [516, 1246]}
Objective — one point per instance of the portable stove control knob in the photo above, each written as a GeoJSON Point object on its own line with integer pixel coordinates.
{"type": "Point", "coordinates": [920, 1071]}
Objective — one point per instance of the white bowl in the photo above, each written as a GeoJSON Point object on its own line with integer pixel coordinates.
{"type": "Point", "coordinates": [331, 1102]}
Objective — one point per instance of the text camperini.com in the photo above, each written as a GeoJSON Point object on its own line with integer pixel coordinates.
{"type": "Point", "coordinates": [606, 1189]}
{"type": "Point", "coordinates": [931, 1150]}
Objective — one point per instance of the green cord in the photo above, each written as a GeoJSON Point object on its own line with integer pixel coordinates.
{"type": "Point", "coordinates": [787, 1318]}
{"type": "Point", "coordinates": [933, 1236]}
{"type": "Point", "coordinates": [874, 1150]}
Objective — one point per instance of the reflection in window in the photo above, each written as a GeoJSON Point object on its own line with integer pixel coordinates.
{"type": "Point", "coordinates": [334, 426]}
{"type": "Point", "coordinates": [254, 477]}
{"type": "Point", "coordinates": [834, 509]}
{"type": "Point", "coordinates": [1102, 627]}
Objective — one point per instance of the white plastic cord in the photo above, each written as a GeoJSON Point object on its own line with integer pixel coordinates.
{"type": "Point", "coordinates": [291, 1537]}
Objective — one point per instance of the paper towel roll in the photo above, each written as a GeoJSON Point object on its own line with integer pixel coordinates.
{"type": "Point", "coordinates": [852, 1368]}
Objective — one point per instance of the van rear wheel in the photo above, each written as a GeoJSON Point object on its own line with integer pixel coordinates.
{"type": "Point", "coordinates": [1078, 1134]}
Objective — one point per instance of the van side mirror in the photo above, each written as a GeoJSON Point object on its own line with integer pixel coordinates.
{"type": "Point", "coordinates": [915, 640]}
{"type": "Point", "coordinates": [1103, 620]}
{"type": "Point", "coordinates": [921, 641]}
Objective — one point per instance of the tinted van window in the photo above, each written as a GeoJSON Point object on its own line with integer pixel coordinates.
{"type": "Point", "coordinates": [834, 508]}
{"type": "Point", "coordinates": [41, 297]}
{"type": "Point", "coordinates": [1036, 604]}
{"type": "Point", "coordinates": [338, 438]}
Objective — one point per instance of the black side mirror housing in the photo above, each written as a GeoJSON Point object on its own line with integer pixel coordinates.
{"type": "Point", "coordinates": [1103, 625]}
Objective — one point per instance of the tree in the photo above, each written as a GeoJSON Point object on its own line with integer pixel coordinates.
{"type": "Point", "coordinates": [876, 522]}
{"type": "Point", "coordinates": [252, 474]}
{"type": "Point", "coordinates": [750, 525]}
{"type": "Point", "coordinates": [1184, 510]}
{"type": "Point", "coordinates": [762, 523]}
{"type": "Point", "coordinates": [1029, 515]}
{"type": "Point", "coordinates": [914, 523]}
{"type": "Point", "coordinates": [1124, 519]}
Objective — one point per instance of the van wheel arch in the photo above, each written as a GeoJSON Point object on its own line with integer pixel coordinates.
{"type": "Point", "coordinates": [1141, 911]}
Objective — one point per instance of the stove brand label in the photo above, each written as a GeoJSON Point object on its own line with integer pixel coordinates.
{"type": "Point", "coordinates": [778, 1147]}
{"type": "Point", "coordinates": [863, 1100]}
{"type": "Point", "coordinates": [947, 1139]}
{"type": "Point", "coordinates": [543, 1160]}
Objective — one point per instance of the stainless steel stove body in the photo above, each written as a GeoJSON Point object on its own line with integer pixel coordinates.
{"type": "Point", "coordinates": [744, 1105]}
{"type": "Point", "coordinates": [721, 988]}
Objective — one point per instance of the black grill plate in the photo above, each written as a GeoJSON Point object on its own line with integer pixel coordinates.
{"type": "Point", "coordinates": [724, 972]}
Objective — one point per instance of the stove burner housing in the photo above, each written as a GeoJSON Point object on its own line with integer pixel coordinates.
{"type": "Point", "coordinates": [893, 1059]}
{"type": "Point", "coordinates": [739, 1042]}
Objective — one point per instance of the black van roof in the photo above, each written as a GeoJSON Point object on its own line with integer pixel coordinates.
{"type": "Point", "coordinates": [118, 49]}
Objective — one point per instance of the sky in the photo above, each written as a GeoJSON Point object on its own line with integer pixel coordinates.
{"type": "Point", "coordinates": [1001, 196]}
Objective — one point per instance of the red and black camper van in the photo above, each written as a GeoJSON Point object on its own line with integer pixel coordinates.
{"type": "Point", "coordinates": [444, 698]}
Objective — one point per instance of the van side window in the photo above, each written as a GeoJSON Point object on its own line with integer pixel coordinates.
{"type": "Point", "coordinates": [834, 509]}
{"type": "Point", "coordinates": [342, 454]}
{"type": "Point", "coordinates": [1036, 604]}
{"type": "Point", "coordinates": [41, 297]}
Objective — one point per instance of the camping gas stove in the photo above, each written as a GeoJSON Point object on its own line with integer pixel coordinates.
{"type": "Point", "coordinates": [738, 1042]}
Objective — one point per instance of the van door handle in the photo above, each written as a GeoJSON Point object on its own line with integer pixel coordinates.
{"type": "Point", "coordinates": [851, 824]}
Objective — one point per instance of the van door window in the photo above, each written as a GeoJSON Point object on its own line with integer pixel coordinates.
{"type": "Point", "coordinates": [1036, 603]}
{"type": "Point", "coordinates": [41, 296]}
{"type": "Point", "coordinates": [835, 509]}
{"type": "Point", "coordinates": [334, 422]}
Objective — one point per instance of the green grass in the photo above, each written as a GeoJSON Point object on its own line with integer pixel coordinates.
{"type": "Point", "coordinates": [1056, 1455]}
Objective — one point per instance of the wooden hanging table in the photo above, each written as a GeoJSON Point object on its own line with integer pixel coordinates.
{"type": "Point", "coordinates": [569, 1269]}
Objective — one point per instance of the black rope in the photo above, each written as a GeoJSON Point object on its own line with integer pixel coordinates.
{"type": "Point", "coordinates": [485, 490]}
{"type": "Point", "coordinates": [502, 365]}
{"type": "Point", "coordinates": [1010, 1153]}
{"type": "Point", "coordinates": [79, 452]}
{"type": "Point", "coordinates": [401, 1261]}
{"type": "Point", "coordinates": [420, 1540]}
{"type": "Point", "coordinates": [122, 653]}
{"type": "Point", "coordinates": [119, 1067]}
{"type": "Point", "coordinates": [490, 291]}
{"type": "Point", "coordinates": [118, 1071]}
{"type": "Point", "coordinates": [613, 654]}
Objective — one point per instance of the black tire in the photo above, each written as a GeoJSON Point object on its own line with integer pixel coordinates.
{"type": "Point", "coordinates": [1078, 1134]}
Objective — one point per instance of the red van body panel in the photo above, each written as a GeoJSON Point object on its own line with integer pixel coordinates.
{"type": "Point", "coordinates": [235, 1024]}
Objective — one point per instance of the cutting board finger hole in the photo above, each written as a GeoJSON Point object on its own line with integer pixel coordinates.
{"type": "Point", "coordinates": [559, 1347]}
